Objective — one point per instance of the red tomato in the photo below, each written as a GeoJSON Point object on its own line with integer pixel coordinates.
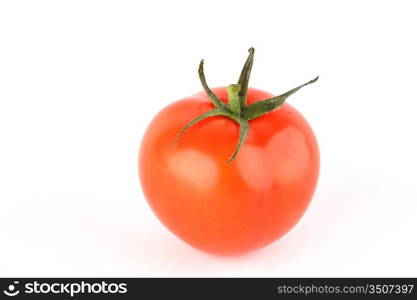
{"type": "Point", "coordinates": [228, 208]}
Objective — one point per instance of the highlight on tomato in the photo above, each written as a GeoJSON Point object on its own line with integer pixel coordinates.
{"type": "Point", "coordinates": [229, 169]}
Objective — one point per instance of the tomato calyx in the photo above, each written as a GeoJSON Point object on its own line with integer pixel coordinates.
{"type": "Point", "coordinates": [236, 109]}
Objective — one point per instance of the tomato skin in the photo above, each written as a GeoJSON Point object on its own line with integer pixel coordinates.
{"type": "Point", "coordinates": [228, 208]}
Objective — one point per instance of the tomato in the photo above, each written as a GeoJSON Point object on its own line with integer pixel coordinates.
{"type": "Point", "coordinates": [225, 206]}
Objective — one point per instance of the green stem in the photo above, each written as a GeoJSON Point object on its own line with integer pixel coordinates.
{"type": "Point", "coordinates": [216, 101]}
{"type": "Point", "coordinates": [236, 108]}
{"type": "Point", "coordinates": [263, 107]}
{"type": "Point", "coordinates": [233, 95]}
{"type": "Point", "coordinates": [243, 134]}
{"type": "Point", "coordinates": [244, 77]}
{"type": "Point", "coordinates": [211, 113]}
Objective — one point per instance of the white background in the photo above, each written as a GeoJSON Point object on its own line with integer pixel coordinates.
{"type": "Point", "coordinates": [80, 80]}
